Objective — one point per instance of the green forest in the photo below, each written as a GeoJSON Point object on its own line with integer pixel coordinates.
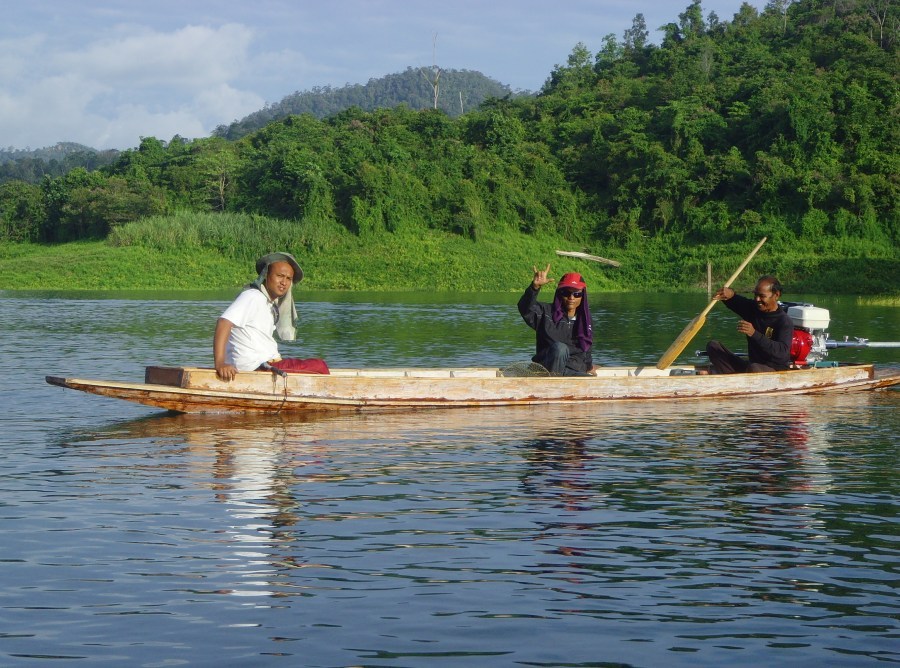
{"type": "Point", "coordinates": [783, 122]}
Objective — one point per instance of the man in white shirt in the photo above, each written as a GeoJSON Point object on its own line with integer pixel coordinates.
{"type": "Point", "coordinates": [244, 340]}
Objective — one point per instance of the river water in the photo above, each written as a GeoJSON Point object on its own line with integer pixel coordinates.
{"type": "Point", "coordinates": [756, 532]}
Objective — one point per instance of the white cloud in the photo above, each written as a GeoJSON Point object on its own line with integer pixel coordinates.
{"type": "Point", "coordinates": [56, 102]}
{"type": "Point", "coordinates": [186, 58]}
{"type": "Point", "coordinates": [131, 122]}
{"type": "Point", "coordinates": [223, 104]}
{"type": "Point", "coordinates": [115, 90]}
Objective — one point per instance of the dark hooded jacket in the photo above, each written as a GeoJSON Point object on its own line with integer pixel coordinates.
{"type": "Point", "coordinates": [551, 325]}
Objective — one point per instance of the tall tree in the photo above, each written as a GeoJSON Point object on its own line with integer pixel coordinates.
{"type": "Point", "coordinates": [637, 35]}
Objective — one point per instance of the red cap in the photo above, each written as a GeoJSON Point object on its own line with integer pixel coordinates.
{"type": "Point", "coordinates": [571, 281]}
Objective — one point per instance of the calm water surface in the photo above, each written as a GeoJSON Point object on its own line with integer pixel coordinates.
{"type": "Point", "coordinates": [744, 533]}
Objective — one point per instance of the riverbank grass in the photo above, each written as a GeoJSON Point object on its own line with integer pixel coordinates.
{"type": "Point", "coordinates": [214, 251]}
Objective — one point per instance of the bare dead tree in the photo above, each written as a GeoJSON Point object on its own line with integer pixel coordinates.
{"type": "Point", "coordinates": [781, 6]}
{"type": "Point", "coordinates": [434, 79]}
{"type": "Point", "coordinates": [878, 9]}
{"type": "Point", "coordinates": [784, 15]}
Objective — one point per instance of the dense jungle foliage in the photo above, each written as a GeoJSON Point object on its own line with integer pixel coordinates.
{"type": "Point", "coordinates": [781, 123]}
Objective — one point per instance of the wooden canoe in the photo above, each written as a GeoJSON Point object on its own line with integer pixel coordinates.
{"type": "Point", "coordinates": [197, 390]}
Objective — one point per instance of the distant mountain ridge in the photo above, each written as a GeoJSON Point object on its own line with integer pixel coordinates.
{"type": "Point", "coordinates": [32, 165]}
{"type": "Point", "coordinates": [58, 151]}
{"type": "Point", "coordinates": [458, 91]}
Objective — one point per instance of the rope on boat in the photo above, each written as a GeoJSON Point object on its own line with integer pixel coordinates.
{"type": "Point", "coordinates": [284, 377]}
{"type": "Point", "coordinates": [284, 395]}
{"type": "Point", "coordinates": [524, 370]}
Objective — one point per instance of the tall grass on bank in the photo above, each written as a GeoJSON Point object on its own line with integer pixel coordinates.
{"type": "Point", "coordinates": [333, 258]}
{"type": "Point", "coordinates": [211, 251]}
{"type": "Point", "coordinates": [236, 235]}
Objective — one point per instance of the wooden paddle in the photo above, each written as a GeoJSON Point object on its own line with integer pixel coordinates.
{"type": "Point", "coordinates": [697, 323]}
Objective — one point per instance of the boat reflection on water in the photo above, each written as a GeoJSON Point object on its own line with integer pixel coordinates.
{"type": "Point", "coordinates": [659, 486]}
{"type": "Point", "coordinates": [768, 445]}
{"type": "Point", "coordinates": [295, 486]}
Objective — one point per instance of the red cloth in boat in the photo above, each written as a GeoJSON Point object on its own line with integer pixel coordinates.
{"type": "Point", "coordinates": [310, 365]}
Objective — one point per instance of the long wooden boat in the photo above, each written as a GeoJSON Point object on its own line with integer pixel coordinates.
{"type": "Point", "coordinates": [197, 390]}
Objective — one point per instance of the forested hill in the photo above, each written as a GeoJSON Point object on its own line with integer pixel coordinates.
{"type": "Point", "coordinates": [32, 165]}
{"type": "Point", "coordinates": [57, 152]}
{"type": "Point", "coordinates": [457, 91]}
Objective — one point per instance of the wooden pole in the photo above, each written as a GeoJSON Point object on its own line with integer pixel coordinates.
{"type": "Point", "coordinates": [585, 256]}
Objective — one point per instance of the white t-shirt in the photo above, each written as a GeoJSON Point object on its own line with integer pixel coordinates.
{"type": "Point", "coordinates": [251, 342]}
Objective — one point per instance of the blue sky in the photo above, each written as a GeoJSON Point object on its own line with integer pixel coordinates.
{"type": "Point", "coordinates": [107, 72]}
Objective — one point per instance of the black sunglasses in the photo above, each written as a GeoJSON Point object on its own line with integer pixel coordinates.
{"type": "Point", "coordinates": [573, 293]}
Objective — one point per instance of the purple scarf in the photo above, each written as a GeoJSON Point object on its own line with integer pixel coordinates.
{"type": "Point", "coordinates": [584, 331]}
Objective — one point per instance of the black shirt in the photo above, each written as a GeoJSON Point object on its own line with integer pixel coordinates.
{"type": "Point", "coordinates": [771, 343]}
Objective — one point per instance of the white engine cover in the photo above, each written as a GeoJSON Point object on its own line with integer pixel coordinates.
{"type": "Point", "coordinates": [809, 317]}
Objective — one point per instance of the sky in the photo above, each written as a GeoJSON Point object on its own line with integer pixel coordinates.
{"type": "Point", "coordinates": [105, 73]}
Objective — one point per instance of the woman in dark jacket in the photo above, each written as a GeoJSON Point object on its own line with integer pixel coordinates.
{"type": "Point", "coordinates": [564, 332]}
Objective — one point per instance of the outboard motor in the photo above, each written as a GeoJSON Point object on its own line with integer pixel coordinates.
{"type": "Point", "coordinates": [810, 324]}
{"type": "Point", "coordinates": [801, 345]}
